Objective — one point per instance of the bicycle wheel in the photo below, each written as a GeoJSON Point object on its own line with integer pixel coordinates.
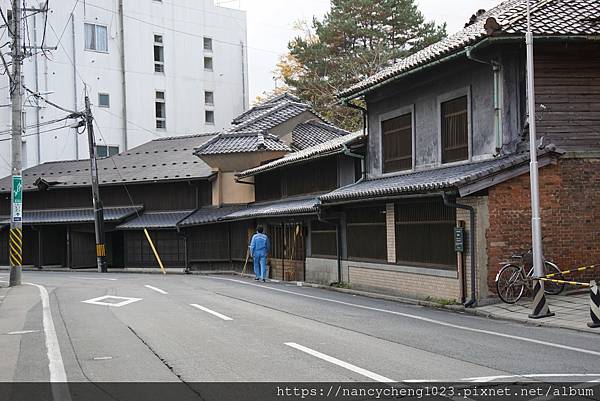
{"type": "Point", "coordinates": [510, 283]}
{"type": "Point", "coordinates": [551, 288]}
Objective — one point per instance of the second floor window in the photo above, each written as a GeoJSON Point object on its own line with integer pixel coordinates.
{"type": "Point", "coordinates": [103, 151]}
{"type": "Point", "coordinates": [96, 37]}
{"type": "Point", "coordinates": [103, 100]}
{"type": "Point", "coordinates": [209, 98]}
{"type": "Point", "coordinates": [208, 63]}
{"type": "Point", "coordinates": [161, 110]}
{"type": "Point", "coordinates": [397, 143]}
{"type": "Point", "coordinates": [159, 54]}
{"type": "Point", "coordinates": [209, 116]}
{"type": "Point", "coordinates": [455, 130]}
{"type": "Point", "coordinates": [208, 44]}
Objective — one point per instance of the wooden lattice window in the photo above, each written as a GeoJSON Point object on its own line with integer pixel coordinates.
{"type": "Point", "coordinates": [366, 233]}
{"type": "Point", "coordinates": [455, 130]}
{"type": "Point", "coordinates": [397, 143]}
{"type": "Point", "coordinates": [323, 239]}
{"type": "Point", "coordinates": [424, 234]}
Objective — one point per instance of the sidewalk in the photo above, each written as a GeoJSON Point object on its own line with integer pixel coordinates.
{"type": "Point", "coordinates": [572, 311]}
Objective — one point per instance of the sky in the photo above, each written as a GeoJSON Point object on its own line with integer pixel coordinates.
{"type": "Point", "coordinates": [271, 27]}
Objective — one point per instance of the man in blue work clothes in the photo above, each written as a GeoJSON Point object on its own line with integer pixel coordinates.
{"type": "Point", "coordinates": [259, 249]}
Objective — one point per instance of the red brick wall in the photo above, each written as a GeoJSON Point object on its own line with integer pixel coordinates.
{"type": "Point", "coordinates": [570, 202]}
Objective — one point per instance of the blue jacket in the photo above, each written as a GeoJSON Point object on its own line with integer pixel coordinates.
{"type": "Point", "coordinates": [259, 245]}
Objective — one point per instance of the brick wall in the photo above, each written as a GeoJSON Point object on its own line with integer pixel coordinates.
{"type": "Point", "coordinates": [570, 203]}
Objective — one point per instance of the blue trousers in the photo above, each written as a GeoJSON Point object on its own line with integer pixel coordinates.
{"type": "Point", "coordinates": [260, 266]}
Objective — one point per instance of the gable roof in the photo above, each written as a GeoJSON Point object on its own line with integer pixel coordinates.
{"type": "Point", "coordinates": [548, 17]}
{"type": "Point", "coordinates": [313, 133]}
{"type": "Point", "coordinates": [241, 143]}
{"type": "Point", "coordinates": [163, 159]}
{"type": "Point", "coordinates": [328, 148]}
{"type": "Point", "coordinates": [271, 117]}
{"type": "Point", "coordinates": [266, 105]}
{"type": "Point", "coordinates": [464, 179]}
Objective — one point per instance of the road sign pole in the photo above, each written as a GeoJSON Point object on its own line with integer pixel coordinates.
{"type": "Point", "coordinates": [16, 99]}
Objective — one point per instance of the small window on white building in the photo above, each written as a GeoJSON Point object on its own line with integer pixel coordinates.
{"type": "Point", "coordinates": [208, 63]}
{"type": "Point", "coordinates": [103, 151]}
{"type": "Point", "coordinates": [208, 44]}
{"type": "Point", "coordinates": [103, 100]}
{"type": "Point", "coordinates": [209, 116]}
{"type": "Point", "coordinates": [159, 54]}
{"type": "Point", "coordinates": [96, 37]}
{"type": "Point", "coordinates": [161, 110]}
{"type": "Point", "coordinates": [209, 98]}
{"type": "Point", "coordinates": [9, 28]}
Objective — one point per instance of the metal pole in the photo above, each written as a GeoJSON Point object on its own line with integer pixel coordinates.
{"type": "Point", "coordinates": [16, 98]}
{"type": "Point", "coordinates": [536, 221]}
{"type": "Point", "coordinates": [98, 210]}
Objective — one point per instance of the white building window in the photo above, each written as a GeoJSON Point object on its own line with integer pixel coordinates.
{"type": "Point", "coordinates": [208, 63]}
{"type": "Point", "coordinates": [103, 151]}
{"type": "Point", "coordinates": [96, 37]}
{"type": "Point", "coordinates": [103, 100]}
{"type": "Point", "coordinates": [209, 98]}
{"type": "Point", "coordinates": [209, 116]}
{"type": "Point", "coordinates": [161, 112]}
{"type": "Point", "coordinates": [208, 44]}
{"type": "Point", "coordinates": [159, 54]}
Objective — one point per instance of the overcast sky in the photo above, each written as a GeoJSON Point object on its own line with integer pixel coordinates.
{"type": "Point", "coordinates": [270, 28]}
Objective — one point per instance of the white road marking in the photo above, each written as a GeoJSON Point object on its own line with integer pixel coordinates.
{"type": "Point", "coordinates": [486, 379]}
{"type": "Point", "coordinates": [212, 312]}
{"type": "Point", "coordinates": [94, 278]}
{"type": "Point", "coordinates": [98, 301]}
{"type": "Point", "coordinates": [345, 365]}
{"type": "Point", "coordinates": [425, 319]}
{"type": "Point", "coordinates": [102, 358]}
{"type": "Point", "coordinates": [55, 361]}
{"type": "Point", "coordinates": [156, 289]}
{"type": "Point", "coordinates": [12, 333]}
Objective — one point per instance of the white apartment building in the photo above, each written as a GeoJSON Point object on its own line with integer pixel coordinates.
{"type": "Point", "coordinates": [152, 68]}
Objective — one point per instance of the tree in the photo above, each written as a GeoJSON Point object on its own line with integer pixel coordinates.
{"type": "Point", "coordinates": [356, 39]}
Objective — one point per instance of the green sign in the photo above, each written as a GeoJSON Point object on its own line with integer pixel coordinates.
{"type": "Point", "coordinates": [459, 239]}
{"type": "Point", "coordinates": [17, 198]}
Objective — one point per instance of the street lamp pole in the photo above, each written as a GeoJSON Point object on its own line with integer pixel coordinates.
{"type": "Point", "coordinates": [540, 306]}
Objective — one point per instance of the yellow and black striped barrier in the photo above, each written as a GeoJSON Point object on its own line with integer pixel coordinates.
{"type": "Point", "coordinates": [579, 269]}
{"type": "Point", "coordinates": [16, 246]}
{"type": "Point", "coordinates": [564, 282]}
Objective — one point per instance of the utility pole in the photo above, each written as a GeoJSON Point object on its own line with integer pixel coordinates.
{"type": "Point", "coordinates": [540, 306]}
{"type": "Point", "coordinates": [16, 99]}
{"type": "Point", "coordinates": [98, 210]}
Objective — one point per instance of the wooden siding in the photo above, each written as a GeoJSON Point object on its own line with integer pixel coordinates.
{"type": "Point", "coordinates": [159, 196]}
{"type": "Point", "coordinates": [567, 81]}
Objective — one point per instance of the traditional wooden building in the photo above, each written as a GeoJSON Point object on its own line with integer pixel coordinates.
{"type": "Point", "coordinates": [448, 125]}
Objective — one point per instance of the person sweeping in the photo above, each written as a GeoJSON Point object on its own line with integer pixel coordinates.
{"type": "Point", "coordinates": [259, 249]}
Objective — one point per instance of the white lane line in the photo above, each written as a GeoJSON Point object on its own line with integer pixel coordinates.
{"type": "Point", "coordinates": [93, 278]}
{"type": "Point", "coordinates": [428, 320]}
{"type": "Point", "coordinates": [212, 312]}
{"type": "Point", "coordinates": [345, 365]}
{"type": "Point", "coordinates": [12, 333]}
{"type": "Point", "coordinates": [486, 379]}
{"type": "Point", "coordinates": [156, 289]}
{"type": "Point", "coordinates": [55, 361]}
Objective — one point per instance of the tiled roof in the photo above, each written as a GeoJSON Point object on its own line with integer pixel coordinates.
{"type": "Point", "coordinates": [208, 214]}
{"type": "Point", "coordinates": [333, 146]}
{"type": "Point", "coordinates": [313, 133]}
{"type": "Point", "coordinates": [548, 17]}
{"type": "Point", "coordinates": [241, 143]}
{"type": "Point", "coordinates": [433, 180]}
{"type": "Point", "coordinates": [265, 105]}
{"type": "Point", "coordinates": [158, 160]}
{"type": "Point", "coordinates": [285, 207]}
{"type": "Point", "coordinates": [70, 216]}
{"type": "Point", "coordinates": [155, 220]}
{"type": "Point", "coordinates": [271, 117]}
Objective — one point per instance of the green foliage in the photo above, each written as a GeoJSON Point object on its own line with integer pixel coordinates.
{"type": "Point", "coordinates": [356, 39]}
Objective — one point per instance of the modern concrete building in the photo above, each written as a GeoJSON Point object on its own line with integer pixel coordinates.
{"type": "Point", "coordinates": [151, 68]}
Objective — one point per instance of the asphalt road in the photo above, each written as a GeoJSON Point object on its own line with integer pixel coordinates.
{"type": "Point", "coordinates": [223, 328]}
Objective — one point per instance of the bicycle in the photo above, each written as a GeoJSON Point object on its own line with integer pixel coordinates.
{"type": "Point", "coordinates": [511, 280]}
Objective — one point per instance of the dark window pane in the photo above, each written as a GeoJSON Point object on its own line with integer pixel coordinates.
{"type": "Point", "coordinates": [455, 130]}
{"type": "Point", "coordinates": [424, 234]}
{"type": "Point", "coordinates": [397, 143]}
{"type": "Point", "coordinates": [209, 243]}
{"type": "Point", "coordinates": [323, 239]}
{"type": "Point", "coordinates": [366, 233]}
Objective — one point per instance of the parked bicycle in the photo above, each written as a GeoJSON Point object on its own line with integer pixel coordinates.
{"type": "Point", "coordinates": [511, 280]}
